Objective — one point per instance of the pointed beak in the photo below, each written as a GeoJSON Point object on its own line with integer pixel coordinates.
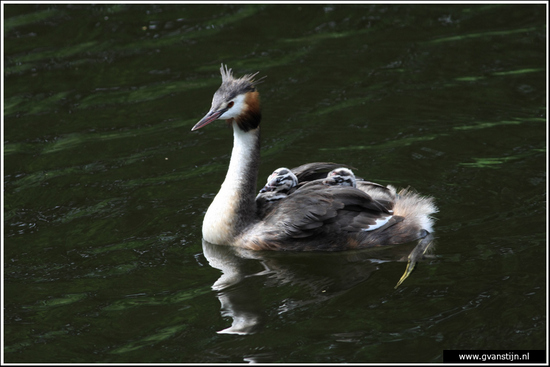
{"type": "Point", "coordinates": [210, 116]}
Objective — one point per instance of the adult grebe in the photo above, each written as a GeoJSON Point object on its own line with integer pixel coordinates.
{"type": "Point", "coordinates": [312, 218]}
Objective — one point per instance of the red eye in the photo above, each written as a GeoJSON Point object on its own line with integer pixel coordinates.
{"type": "Point", "coordinates": [230, 104]}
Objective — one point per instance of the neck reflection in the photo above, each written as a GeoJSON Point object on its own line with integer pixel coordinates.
{"type": "Point", "coordinates": [311, 277]}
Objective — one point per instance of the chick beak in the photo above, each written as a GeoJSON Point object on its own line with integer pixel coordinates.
{"type": "Point", "coordinates": [267, 188]}
{"type": "Point", "coordinates": [210, 116]}
{"type": "Point", "coordinates": [271, 185]}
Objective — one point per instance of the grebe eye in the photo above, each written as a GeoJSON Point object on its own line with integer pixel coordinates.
{"type": "Point", "coordinates": [230, 104]}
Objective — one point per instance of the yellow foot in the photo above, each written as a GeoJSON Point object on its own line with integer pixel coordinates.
{"type": "Point", "coordinates": [416, 254]}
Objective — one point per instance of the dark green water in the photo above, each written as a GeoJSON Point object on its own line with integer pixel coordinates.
{"type": "Point", "coordinates": [105, 186]}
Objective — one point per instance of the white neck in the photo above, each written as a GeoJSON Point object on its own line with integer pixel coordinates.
{"type": "Point", "coordinates": [234, 206]}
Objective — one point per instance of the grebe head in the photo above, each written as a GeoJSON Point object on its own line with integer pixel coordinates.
{"type": "Point", "coordinates": [340, 177]}
{"type": "Point", "coordinates": [281, 180]}
{"type": "Point", "coordinates": [235, 100]}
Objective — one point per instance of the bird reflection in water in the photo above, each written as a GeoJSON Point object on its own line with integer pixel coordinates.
{"type": "Point", "coordinates": [320, 276]}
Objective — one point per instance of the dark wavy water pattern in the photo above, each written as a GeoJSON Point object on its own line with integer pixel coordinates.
{"type": "Point", "coordinates": [105, 186]}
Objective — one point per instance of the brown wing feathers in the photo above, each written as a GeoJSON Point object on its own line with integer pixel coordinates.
{"type": "Point", "coordinates": [327, 210]}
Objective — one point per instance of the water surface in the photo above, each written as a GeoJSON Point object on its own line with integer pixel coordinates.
{"type": "Point", "coordinates": [105, 186]}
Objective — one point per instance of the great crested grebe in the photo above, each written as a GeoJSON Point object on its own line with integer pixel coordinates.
{"type": "Point", "coordinates": [313, 218]}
